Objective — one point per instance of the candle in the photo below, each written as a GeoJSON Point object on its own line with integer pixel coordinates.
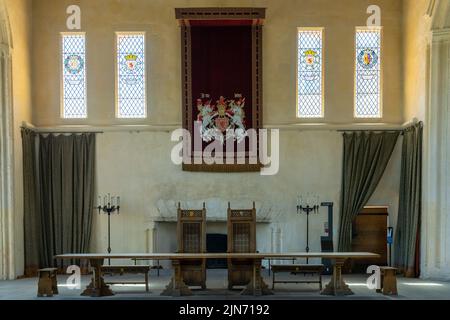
{"type": "Point", "coordinates": [112, 201]}
{"type": "Point", "coordinates": [118, 201]}
{"type": "Point", "coordinates": [104, 201]}
{"type": "Point", "coordinates": [99, 202]}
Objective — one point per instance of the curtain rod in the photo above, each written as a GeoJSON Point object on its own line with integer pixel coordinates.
{"type": "Point", "coordinates": [60, 132]}
{"type": "Point", "coordinates": [372, 130]}
{"type": "Point", "coordinates": [71, 132]}
{"type": "Point", "coordinates": [101, 129]}
{"type": "Point", "coordinates": [37, 130]}
{"type": "Point", "coordinates": [406, 127]}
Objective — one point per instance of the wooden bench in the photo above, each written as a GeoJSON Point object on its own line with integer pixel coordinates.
{"type": "Point", "coordinates": [158, 267]}
{"type": "Point", "coordinates": [298, 269]}
{"type": "Point", "coordinates": [388, 281]}
{"type": "Point", "coordinates": [47, 285]}
{"type": "Point", "coordinates": [127, 269]}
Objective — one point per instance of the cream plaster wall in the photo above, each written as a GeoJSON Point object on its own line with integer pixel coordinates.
{"type": "Point", "coordinates": [20, 19]}
{"type": "Point", "coordinates": [100, 18]}
{"type": "Point", "coordinates": [416, 28]}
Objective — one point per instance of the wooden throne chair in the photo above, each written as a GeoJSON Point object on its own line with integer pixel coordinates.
{"type": "Point", "coordinates": [241, 239]}
{"type": "Point", "coordinates": [191, 234]}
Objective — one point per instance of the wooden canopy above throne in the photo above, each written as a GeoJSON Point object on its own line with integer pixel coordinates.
{"type": "Point", "coordinates": [221, 59]}
{"type": "Point", "coordinates": [241, 239]}
{"type": "Point", "coordinates": [191, 234]}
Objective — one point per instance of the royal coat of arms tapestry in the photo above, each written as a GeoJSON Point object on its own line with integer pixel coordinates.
{"type": "Point", "coordinates": [222, 86]}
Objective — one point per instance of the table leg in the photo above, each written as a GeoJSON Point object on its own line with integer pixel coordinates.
{"type": "Point", "coordinates": [257, 286]}
{"type": "Point", "coordinates": [97, 287]}
{"type": "Point", "coordinates": [337, 286]}
{"type": "Point", "coordinates": [177, 287]}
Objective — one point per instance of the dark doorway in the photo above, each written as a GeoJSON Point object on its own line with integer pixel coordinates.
{"type": "Point", "coordinates": [216, 243]}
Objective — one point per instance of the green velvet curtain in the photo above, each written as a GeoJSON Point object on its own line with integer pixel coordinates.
{"type": "Point", "coordinates": [409, 209]}
{"type": "Point", "coordinates": [366, 155]}
{"type": "Point", "coordinates": [59, 196]}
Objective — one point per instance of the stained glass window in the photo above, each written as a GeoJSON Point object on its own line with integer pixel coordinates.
{"type": "Point", "coordinates": [368, 73]}
{"type": "Point", "coordinates": [131, 78]}
{"type": "Point", "coordinates": [309, 73]}
{"type": "Point", "coordinates": [74, 75]}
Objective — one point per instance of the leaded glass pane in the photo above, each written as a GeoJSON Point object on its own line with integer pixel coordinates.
{"type": "Point", "coordinates": [368, 73]}
{"type": "Point", "coordinates": [74, 76]}
{"type": "Point", "coordinates": [131, 95]}
{"type": "Point", "coordinates": [309, 77]}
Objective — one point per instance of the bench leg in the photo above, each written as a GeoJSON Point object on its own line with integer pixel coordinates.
{"type": "Point", "coordinates": [157, 270]}
{"type": "Point", "coordinates": [320, 281]}
{"type": "Point", "coordinates": [390, 283]}
{"type": "Point", "coordinates": [45, 285]}
{"type": "Point", "coordinates": [273, 280]}
{"type": "Point", "coordinates": [146, 282]}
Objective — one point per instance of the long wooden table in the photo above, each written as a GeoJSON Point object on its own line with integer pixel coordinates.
{"type": "Point", "coordinates": [257, 286]}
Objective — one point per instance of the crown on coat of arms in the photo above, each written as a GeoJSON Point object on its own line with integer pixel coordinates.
{"type": "Point", "coordinates": [131, 57]}
{"type": "Point", "coordinates": [310, 52]}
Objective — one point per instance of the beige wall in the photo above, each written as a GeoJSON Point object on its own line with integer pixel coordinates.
{"type": "Point", "coordinates": [20, 19]}
{"type": "Point", "coordinates": [416, 28]}
{"type": "Point", "coordinates": [137, 166]}
{"type": "Point", "coordinates": [100, 18]}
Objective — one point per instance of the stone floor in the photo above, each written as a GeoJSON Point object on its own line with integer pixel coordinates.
{"type": "Point", "coordinates": [25, 289]}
